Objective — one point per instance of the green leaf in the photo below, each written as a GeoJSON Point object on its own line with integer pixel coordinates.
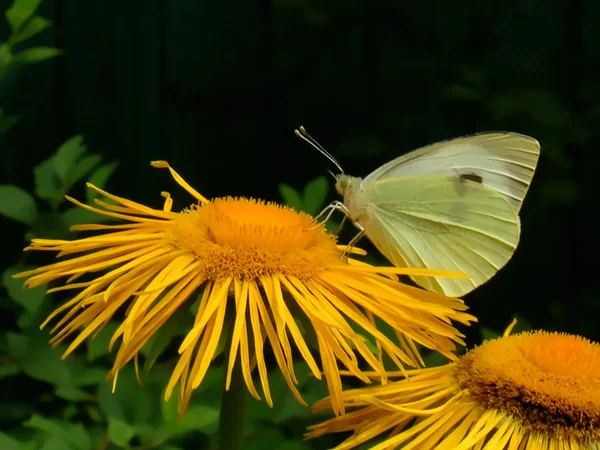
{"type": "Point", "coordinates": [5, 57]}
{"type": "Point", "coordinates": [333, 226]}
{"type": "Point", "coordinates": [130, 402]}
{"type": "Point", "coordinates": [30, 299]}
{"type": "Point", "coordinates": [8, 443]}
{"type": "Point", "coordinates": [98, 346]}
{"type": "Point", "coordinates": [119, 432]}
{"type": "Point", "coordinates": [17, 204]}
{"type": "Point", "coordinates": [288, 408]}
{"type": "Point", "coordinates": [144, 409]}
{"type": "Point", "coordinates": [6, 122]}
{"type": "Point", "coordinates": [305, 326]}
{"type": "Point", "coordinates": [267, 439]}
{"type": "Point", "coordinates": [204, 418]}
{"type": "Point", "coordinates": [94, 413]}
{"type": "Point", "coordinates": [72, 434]}
{"type": "Point", "coordinates": [108, 403]}
{"type": "Point", "coordinates": [55, 176]}
{"type": "Point", "coordinates": [522, 325]}
{"type": "Point", "coordinates": [169, 408]}
{"type": "Point", "coordinates": [49, 225]}
{"type": "Point", "coordinates": [69, 412]}
{"type": "Point", "coordinates": [99, 179]}
{"type": "Point", "coordinates": [76, 215]}
{"type": "Point", "coordinates": [83, 167]}
{"type": "Point", "coordinates": [16, 344]}
{"type": "Point", "coordinates": [78, 436]}
{"type": "Point", "coordinates": [293, 445]}
{"type": "Point", "coordinates": [315, 194]}
{"type": "Point", "coordinates": [32, 27]}
{"type": "Point", "coordinates": [488, 334]}
{"type": "Point", "coordinates": [67, 156]}
{"type": "Point", "coordinates": [36, 54]}
{"type": "Point", "coordinates": [17, 410]}
{"type": "Point", "coordinates": [150, 435]}
{"type": "Point", "coordinates": [48, 185]}
{"type": "Point", "coordinates": [290, 196]}
{"type": "Point", "coordinates": [37, 358]}
{"type": "Point", "coordinates": [86, 375]}
{"type": "Point", "coordinates": [175, 326]}
{"type": "Point", "coordinates": [71, 393]}
{"type": "Point", "coordinates": [20, 11]}
{"type": "Point", "coordinates": [434, 359]}
{"type": "Point", "coordinates": [368, 341]}
{"type": "Point", "coordinates": [7, 370]}
{"type": "Point", "coordinates": [28, 320]}
{"type": "Point", "coordinates": [45, 365]}
{"type": "Point", "coordinates": [54, 443]}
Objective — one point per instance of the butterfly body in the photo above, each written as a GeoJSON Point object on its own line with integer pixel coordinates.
{"type": "Point", "coordinates": [351, 190]}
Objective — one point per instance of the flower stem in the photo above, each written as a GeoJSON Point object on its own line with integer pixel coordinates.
{"type": "Point", "coordinates": [233, 412]}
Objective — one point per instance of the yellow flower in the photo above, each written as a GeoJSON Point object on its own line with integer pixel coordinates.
{"type": "Point", "coordinates": [530, 391]}
{"type": "Point", "coordinates": [265, 266]}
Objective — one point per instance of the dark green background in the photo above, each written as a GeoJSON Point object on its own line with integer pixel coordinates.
{"type": "Point", "coordinates": [217, 88]}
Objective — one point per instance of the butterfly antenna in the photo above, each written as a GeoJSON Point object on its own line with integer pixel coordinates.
{"type": "Point", "coordinates": [303, 134]}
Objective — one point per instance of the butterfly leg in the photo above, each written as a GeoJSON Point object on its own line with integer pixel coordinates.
{"type": "Point", "coordinates": [339, 206]}
{"type": "Point", "coordinates": [339, 229]}
{"type": "Point", "coordinates": [353, 241]}
{"type": "Point", "coordinates": [329, 209]}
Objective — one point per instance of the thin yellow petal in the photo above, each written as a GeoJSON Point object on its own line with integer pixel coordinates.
{"type": "Point", "coordinates": [180, 181]}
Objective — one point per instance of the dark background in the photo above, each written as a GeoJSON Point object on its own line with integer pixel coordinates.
{"type": "Point", "coordinates": [217, 88]}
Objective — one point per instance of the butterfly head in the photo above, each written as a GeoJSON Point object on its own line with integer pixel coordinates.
{"type": "Point", "coordinates": [342, 183]}
{"type": "Point", "coordinates": [346, 185]}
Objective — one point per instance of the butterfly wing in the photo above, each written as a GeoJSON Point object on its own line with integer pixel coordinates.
{"type": "Point", "coordinates": [502, 161]}
{"type": "Point", "coordinates": [442, 223]}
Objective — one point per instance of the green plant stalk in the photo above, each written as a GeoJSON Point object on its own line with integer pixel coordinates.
{"type": "Point", "coordinates": [233, 407]}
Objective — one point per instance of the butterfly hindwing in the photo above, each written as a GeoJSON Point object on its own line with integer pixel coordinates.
{"type": "Point", "coordinates": [447, 223]}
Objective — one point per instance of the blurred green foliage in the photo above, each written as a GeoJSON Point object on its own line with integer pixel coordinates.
{"type": "Point", "coordinates": [311, 200]}
{"type": "Point", "coordinates": [51, 404]}
{"type": "Point", "coordinates": [217, 89]}
{"type": "Point", "coordinates": [24, 24]}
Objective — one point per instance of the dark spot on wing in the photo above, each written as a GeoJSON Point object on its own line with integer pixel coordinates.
{"type": "Point", "coordinates": [472, 177]}
{"type": "Point", "coordinates": [459, 210]}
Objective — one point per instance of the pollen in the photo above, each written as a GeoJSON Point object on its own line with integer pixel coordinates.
{"type": "Point", "coordinates": [247, 239]}
{"type": "Point", "coordinates": [549, 381]}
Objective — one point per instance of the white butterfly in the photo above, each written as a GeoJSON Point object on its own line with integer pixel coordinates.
{"type": "Point", "coordinates": [452, 205]}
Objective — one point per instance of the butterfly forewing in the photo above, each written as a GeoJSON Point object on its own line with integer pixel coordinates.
{"type": "Point", "coordinates": [504, 162]}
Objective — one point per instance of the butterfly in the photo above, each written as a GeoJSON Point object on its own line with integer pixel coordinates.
{"type": "Point", "coordinates": [453, 205]}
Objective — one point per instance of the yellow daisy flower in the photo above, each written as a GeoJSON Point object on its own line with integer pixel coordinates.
{"type": "Point", "coordinates": [265, 266]}
{"type": "Point", "coordinates": [530, 391]}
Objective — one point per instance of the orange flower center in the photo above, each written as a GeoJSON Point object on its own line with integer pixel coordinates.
{"type": "Point", "coordinates": [549, 381]}
{"type": "Point", "coordinates": [247, 239]}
